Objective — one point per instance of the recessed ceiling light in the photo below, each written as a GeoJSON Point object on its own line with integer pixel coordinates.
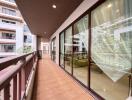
{"type": "Point", "coordinates": [54, 6]}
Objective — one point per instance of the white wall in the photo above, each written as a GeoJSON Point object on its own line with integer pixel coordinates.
{"type": "Point", "coordinates": [39, 43]}
{"type": "Point", "coordinates": [34, 42]}
{"type": "Point", "coordinates": [85, 5]}
{"type": "Point", "coordinates": [19, 37]}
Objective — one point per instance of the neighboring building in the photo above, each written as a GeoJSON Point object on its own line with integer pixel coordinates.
{"type": "Point", "coordinates": [15, 37]}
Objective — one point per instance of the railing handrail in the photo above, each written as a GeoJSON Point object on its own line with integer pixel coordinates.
{"type": "Point", "coordinates": [6, 62]}
{"type": "Point", "coordinates": [19, 71]}
{"type": "Point", "coordinates": [8, 76]}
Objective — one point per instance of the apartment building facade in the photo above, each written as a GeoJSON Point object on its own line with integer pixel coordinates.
{"type": "Point", "coordinates": [15, 36]}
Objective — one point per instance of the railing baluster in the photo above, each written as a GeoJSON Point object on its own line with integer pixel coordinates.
{"type": "Point", "coordinates": [19, 86]}
{"type": "Point", "coordinates": [15, 88]}
{"type": "Point", "coordinates": [7, 92]}
{"type": "Point", "coordinates": [23, 80]}
{"type": "Point", "coordinates": [18, 75]}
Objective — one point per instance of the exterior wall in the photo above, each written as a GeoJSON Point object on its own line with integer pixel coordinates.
{"type": "Point", "coordinates": [39, 47]}
{"type": "Point", "coordinates": [19, 37]}
{"type": "Point", "coordinates": [17, 11]}
{"type": "Point", "coordinates": [85, 5]}
{"type": "Point", "coordinates": [17, 28]}
{"type": "Point", "coordinates": [34, 42]}
{"type": "Point", "coordinates": [45, 47]}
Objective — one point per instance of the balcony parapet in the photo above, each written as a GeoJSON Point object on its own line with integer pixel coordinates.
{"type": "Point", "coordinates": [11, 17]}
{"type": "Point", "coordinates": [8, 27]}
{"type": "Point", "coordinates": [12, 41]}
{"type": "Point", "coordinates": [7, 54]}
{"type": "Point", "coordinates": [8, 4]}
{"type": "Point", "coordinates": [21, 70]}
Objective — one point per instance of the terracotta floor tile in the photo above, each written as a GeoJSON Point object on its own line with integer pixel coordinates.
{"type": "Point", "coordinates": [52, 83]}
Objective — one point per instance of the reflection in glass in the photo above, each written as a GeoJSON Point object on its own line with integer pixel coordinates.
{"type": "Point", "coordinates": [62, 49]}
{"type": "Point", "coordinates": [68, 50]}
{"type": "Point", "coordinates": [53, 50]}
{"type": "Point", "coordinates": [112, 49]}
{"type": "Point", "coordinates": [80, 48]}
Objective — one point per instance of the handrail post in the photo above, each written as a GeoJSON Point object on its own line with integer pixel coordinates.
{"type": "Point", "coordinates": [7, 92]}
{"type": "Point", "coordinates": [19, 86]}
{"type": "Point", "coordinates": [23, 79]}
{"type": "Point", "coordinates": [18, 76]}
{"type": "Point", "coordinates": [15, 88]}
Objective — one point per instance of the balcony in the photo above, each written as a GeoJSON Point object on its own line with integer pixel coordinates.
{"type": "Point", "coordinates": [6, 54]}
{"type": "Point", "coordinates": [7, 49]}
{"type": "Point", "coordinates": [89, 40]}
{"type": "Point", "coordinates": [7, 41]}
{"type": "Point", "coordinates": [8, 4]}
{"type": "Point", "coordinates": [11, 17]}
{"type": "Point", "coordinates": [17, 82]}
{"type": "Point", "coordinates": [8, 27]}
{"type": "Point", "coordinates": [19, 71]}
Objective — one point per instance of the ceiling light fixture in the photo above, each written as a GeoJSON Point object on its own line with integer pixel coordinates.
{"type": "Point", "coordinates": [54, 6]}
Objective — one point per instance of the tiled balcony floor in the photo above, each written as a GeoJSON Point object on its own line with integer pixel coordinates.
{"type": "Point", "coordinates": [52, 83]}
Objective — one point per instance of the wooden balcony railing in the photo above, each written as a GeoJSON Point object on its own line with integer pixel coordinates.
{"type": "Point", "coordinates": [15, 81]}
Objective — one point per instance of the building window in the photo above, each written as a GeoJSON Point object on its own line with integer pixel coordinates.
{"type": "Point", "coordinates": [112, 49]}
{"type": "Point", "coordinates": [6, 35]}
{"type": "Point", "coordinates": [27, 39]}
{"type": "Point", "coordinates": [7, 47]}
{"type": "Point", "coordinates": [9, 11]}
{"type": "Point", "coordinates": [13, 1]}
{"type": "Point", "coordinates": [9, 22]}
{"type": "Point", "coordinates": [26, 29]}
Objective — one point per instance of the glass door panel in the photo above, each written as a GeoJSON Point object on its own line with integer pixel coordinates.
{"type": "Point", "coordinates": [68, 50]}
{"type": "Point", "coordinates": [80, 49]}
{"type": "Point", "coordinates": [112, 49]}
{"type": "Point", "coordinates": [62, 49]}
{"type": "Point", "coordinates": [53, 49]}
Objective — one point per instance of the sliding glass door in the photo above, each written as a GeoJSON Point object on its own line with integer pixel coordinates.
{"type": "Point", "coordinates": [68, 50]}
{"type": "Point", "coordinates": [112, 49]}
{"type": "Point", "coordinates": [80, 49]}
{"type": "Point", "coordinates": [105, 65]}
{"type": "Point", "coordinates": [62, 49]}
{"type": "Point", "coordinates": [53, 49]}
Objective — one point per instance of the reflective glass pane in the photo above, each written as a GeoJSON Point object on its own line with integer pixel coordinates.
{"type": "Point", "coordinates": [62, 49]}
{"type": "Point", "coordinates": [68, 50]}
{"type": "Point", "coordinates": [80, 48]}
{"type": "Point", "coordinates": [112, 49]}
{"type": "Point", "coordinates": [53, 50]}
